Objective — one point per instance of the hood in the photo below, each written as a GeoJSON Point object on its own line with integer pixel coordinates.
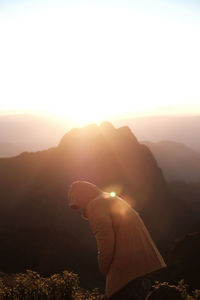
{"type": "Point", "coordinates": [81, 193]}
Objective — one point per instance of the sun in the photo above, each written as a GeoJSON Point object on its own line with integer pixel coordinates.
{"type": "Point", "coordinates": [80, 116]}
{"type": "Point", "coordinates": [82, 110]}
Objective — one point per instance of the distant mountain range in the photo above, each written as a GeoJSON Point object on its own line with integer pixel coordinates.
{"type": "Point", "coordinates": [177, 161]}
{"type": "Point", "coordinates": [8, 150]}
{"type": "Point", "coordinates": [181, 129]}
{"type": "Point", "coordinates": [34, 133]}
{"type": "Point", "coordinates": [39, 231]}
{"type": "Point", "coordinates": [31, 132]}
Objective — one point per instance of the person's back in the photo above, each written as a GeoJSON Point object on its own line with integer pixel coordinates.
{"type": "Point", "coordinates": [119, 229]}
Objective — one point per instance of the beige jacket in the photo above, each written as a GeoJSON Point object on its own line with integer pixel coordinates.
{"type": "Point", "coordinates": [125, 248]}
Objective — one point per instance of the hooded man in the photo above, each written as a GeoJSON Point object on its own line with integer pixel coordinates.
{"type": "Point", "coordinates": [126, 251]}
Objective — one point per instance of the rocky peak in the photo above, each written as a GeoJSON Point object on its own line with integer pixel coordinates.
{"type": "Point", "coordinates": [105, 156]}
{"type": "Point", "coordinates": [83, 134]}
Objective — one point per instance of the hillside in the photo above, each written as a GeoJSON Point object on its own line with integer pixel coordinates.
{"type": "Point", "coordinates": [177, 161]}
{"type": "Point", "coordinates": [184, 261]}
{"type": "Point", "coordinates": [38, 230]}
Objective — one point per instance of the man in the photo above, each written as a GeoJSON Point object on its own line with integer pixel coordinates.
{"type": "Point", "coordinates": [126, 251]}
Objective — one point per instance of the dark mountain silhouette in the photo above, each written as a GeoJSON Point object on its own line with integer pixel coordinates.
{"type": "Point", "coordinates": [115, 157]}
{"type": "Point", "coordinates": [184, 260]}
{"type": "Point", "coordinates": [37, 228]}
{"type": "Point", "coordinates": [177, 161]}
{"type": "Point", "coordinates": [188, 194]}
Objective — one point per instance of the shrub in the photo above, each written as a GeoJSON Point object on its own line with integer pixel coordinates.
{"type": "Point", "coordinates": [164, 290]}
{"type": "Point", "coordinates": [31, 286]}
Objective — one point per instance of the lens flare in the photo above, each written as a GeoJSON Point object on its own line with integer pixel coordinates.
{"type": "Point", "coordinates": [112, 194]}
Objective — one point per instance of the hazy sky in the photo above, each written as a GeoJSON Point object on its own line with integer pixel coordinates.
{"type": "Point", "coordinates": [94, 60]}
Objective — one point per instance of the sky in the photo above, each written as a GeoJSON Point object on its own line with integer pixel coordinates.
{"type": "Point", "coordinates": [88, 61]}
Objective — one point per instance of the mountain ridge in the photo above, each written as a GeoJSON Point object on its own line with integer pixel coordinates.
{"type": "Point", "coordinates": [34, 132]}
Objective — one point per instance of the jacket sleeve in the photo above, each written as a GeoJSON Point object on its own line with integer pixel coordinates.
{"type": "Point", "coordinates": [102, 228]}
